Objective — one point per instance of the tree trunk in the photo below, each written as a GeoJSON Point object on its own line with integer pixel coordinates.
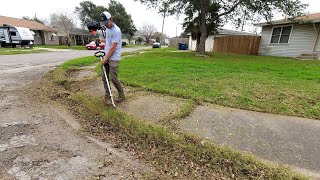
{"type": "Point", "coordinates": [68, 39]}
{"type": "Point", "coordinates": [204, 32]}
{"type": "Point", "coordinates": [198, 41]}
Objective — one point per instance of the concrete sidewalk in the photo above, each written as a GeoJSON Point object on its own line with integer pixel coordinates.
{"type": "Point", "coordinates": [287, 140]}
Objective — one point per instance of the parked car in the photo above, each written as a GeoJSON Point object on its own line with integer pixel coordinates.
{"type": "Point", "coordinates": [156, 45]}
{"type": "Point", "coordinates": [92, 46]}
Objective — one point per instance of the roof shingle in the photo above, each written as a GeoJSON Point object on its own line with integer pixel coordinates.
{"type": "Point", "coordinates": [24, 23]}
{"type": "Point", "coordinates": [309, 18]}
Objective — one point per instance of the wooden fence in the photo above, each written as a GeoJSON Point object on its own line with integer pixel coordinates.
{"type": "Point", "coordinates": [237, 44]}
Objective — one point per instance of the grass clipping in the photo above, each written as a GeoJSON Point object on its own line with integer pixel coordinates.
{"type": "Point", "coordinates": [171, 152]}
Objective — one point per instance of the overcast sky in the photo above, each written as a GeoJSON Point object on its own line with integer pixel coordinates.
{"type": "Point", "coordinates": [140, 14]}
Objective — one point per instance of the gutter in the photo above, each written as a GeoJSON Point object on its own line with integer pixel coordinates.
{"type": "Point", "coordinates": [280, 22]}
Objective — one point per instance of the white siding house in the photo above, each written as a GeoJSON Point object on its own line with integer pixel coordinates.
{"type": "Point", "coordinates": [209, 44]}
{"type": "Point", "coordinates": [291, 38]}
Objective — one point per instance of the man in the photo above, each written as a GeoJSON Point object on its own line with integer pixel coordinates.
{"type": "Point", "coordinates": [112, 58]}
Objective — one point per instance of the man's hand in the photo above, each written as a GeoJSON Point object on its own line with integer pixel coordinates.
{"type": "Point", "coordinates": [102, 62]}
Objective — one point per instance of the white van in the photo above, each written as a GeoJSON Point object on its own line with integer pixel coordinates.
{"type": "Point", "coordinates": [13, 36]}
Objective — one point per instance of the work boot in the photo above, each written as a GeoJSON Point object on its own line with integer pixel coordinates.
{"type": "Point", "coordinates": [120, 98]}
{"type": "Point", "coordinates": [107, 100]}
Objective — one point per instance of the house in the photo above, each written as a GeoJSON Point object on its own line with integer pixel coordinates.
{"type": "Point", "coordinates": [166, 41]}
{"type": "Point", "coordinates": [125, 38]}
{"type": "Point", "coordinates": [296, 37]}
{"type": "Point", "coordinates": [210, 40]}
{"type": "Point", "coordinates": [78, 37]}
{"type": "Point", "coordinates": [43, 34]}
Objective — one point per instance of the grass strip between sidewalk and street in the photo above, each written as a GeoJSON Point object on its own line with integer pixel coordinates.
{"type": "Point", "coordinates": [13, 51]}
{"type": "Point", "coordinates": [62, 47]}
{"type": "Point", "coordinates": [167, 145]}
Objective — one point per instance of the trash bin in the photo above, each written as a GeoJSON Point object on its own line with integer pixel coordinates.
{"type": "Point", "coordinates": [183, 46]}
{"type": "Point", "coordinates": [179, 46]}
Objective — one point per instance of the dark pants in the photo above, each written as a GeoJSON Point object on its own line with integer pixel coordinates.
{"type": "Point", "coordinates": [112, 73]}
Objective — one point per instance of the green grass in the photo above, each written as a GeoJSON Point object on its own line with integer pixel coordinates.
{"type": "Point", "coordinates": [79, 62]}
{"type": "Point", "coordinates": [173, 119]}
{"type": "Point", "coordinates": [268, 84]}
{"type": "Point", "coordinates": [62, 47]}
{"type": "Point", "coordinates": [12, 51]}
{"type": "Point", "coordinates": [134, 45]}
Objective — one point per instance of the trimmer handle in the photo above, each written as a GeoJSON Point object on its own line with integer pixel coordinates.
{"type": "Point", "coordinates": [100, 54]}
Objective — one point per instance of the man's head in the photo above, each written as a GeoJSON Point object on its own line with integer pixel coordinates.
{"type": "Point", "coordinates": [106, 19]}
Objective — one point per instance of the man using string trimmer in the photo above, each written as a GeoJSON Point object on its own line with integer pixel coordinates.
{"type": "Point", "coordinates": [112, 58]}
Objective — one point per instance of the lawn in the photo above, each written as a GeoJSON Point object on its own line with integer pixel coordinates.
{"type": "Point", "coordinates": [62, 47]}
{"type": "Point", "coordinates": [134, 45]}
{"type": "Point", "coordinates": [12, 51]}
{"type": "Point", "coordinates": [267, 84]}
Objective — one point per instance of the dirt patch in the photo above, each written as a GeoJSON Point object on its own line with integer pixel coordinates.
{"type": "Point", "coordinates": [83, 73]}
{"type": "Point", "coordinates": [152, 107]}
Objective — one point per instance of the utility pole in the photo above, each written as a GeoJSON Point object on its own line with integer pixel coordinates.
{"type": "Point", "coordinates": [164, 11]}
{"type": "Point", "coordinates": [161, 37]}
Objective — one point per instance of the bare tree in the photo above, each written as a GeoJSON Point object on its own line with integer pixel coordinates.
{"type": "Point", "coordinates": [65, 22]}
{"type": "Point", "coordinates": [147, 31]}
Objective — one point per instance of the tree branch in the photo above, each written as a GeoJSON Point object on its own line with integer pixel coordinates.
{"type": "Point", "coordinates": [227, 12]}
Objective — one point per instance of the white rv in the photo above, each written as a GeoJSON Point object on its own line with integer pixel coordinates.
{"type": "Point", "coordinates": [13, 36]}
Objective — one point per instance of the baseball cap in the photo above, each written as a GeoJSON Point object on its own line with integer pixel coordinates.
{"type": "Point", "coordinates": [104, 17]}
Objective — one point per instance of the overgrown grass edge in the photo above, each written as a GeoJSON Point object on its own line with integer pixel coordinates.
{"type": "Point", "coordinates": [218, 157]}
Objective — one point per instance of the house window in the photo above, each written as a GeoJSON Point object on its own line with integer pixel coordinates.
{"type": "Point", "coordinates": [52, 36]}
{"type": "Point", "coordinates": [281, 35]}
